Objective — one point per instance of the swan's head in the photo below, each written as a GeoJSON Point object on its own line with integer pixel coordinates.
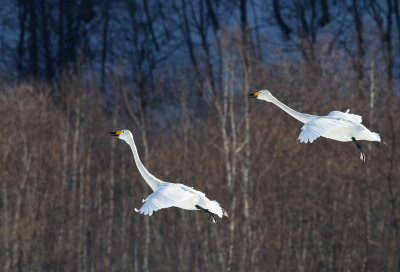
{"type": "Point", "coordinates": [122, 134]}
{"type": "Point", "coordinates": [263, 95]}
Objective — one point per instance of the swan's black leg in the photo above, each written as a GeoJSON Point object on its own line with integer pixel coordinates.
{"type": "Point", "coordinates": [212, 218]}
{"type": "Point", "coordinates": [202, 209]}
{"type": "Point", "coordinates": [210, 214]}
{"type": "Point", "coordinates": [362, 154]}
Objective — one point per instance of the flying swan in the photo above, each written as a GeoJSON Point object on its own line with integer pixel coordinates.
{"type": "Point", "coordinates": [168, 194]}
{"type": "Point", "coordinates": [337, 125]}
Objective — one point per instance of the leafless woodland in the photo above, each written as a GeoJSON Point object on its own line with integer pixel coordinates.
{"type": "Point", "coordinates": [177, 74]}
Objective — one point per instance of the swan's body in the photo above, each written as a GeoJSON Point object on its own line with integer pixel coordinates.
{"type": "Point", "coordinates": [337, 125]}
{"type": "Point", "coordinates": [168, 194]}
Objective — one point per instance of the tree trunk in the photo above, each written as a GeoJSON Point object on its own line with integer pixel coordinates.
{"type": "Point", "coordinates": [22, 15]}
{"type": "Point", "coordinates": [16, 249]}
{"type": "Point", "coordinates": [6, 220]}
{"type": "Point", "coordinates": [106, 15]}
{"type": "Point", "coordinates": [46, 41]}
{"type": "Point", "coordinates": [111, 194]}
{"type": "Point", "coordinates": [247, 233]}
{"type": "Point", "coordinates": [146, 247]}
{"type": "Point", "coordinates": [33, 44]}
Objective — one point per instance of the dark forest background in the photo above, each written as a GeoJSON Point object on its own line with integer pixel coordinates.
{"type": "Point", "coordinates": [177, 73]}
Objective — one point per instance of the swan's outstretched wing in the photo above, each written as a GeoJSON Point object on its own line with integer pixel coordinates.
{"type": "Point", "coordinates": [346, 116]}
{"type": "Point", "coordinates": [319, 126]}
{"type": "Point", "coordinates": [166, 196]}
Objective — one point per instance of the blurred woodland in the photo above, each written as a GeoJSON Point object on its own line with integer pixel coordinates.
{"type": "Point", "coordinates": [177, 73]}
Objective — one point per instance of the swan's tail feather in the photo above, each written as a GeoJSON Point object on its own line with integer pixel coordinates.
{"type": "Point", "coordinates": [216, 208]}
{"type": "Point", "coordinates": [377, 136]}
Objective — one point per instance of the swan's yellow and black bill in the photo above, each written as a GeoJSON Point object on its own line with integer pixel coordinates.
{"type": "Point", "coordinates": [115, 133]}
{"type": "Point", "coordinates": [254, 95]}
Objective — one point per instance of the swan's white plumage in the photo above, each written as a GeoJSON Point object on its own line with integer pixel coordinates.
{"type": "Point", "coordinates": [320, 126]}
{"type": "Point", "coordinates": [168, 194]}
{"type": "Point", "coordinates": [357, 119]}
{"type": "Point", "coordinates": [337, 125]}
{"type": "Point", "coordinates": [215, 206]}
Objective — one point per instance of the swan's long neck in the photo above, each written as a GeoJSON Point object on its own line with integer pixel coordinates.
{"type": "Point", "coordinates": [151, 180]}
{"type": "Point", "coordinates": [302, 117]}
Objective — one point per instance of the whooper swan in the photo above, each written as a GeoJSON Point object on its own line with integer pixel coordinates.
{"type": "Point", "coordinates": [337, 125]}
{"type": "Point", "coordinates": [168, 194]}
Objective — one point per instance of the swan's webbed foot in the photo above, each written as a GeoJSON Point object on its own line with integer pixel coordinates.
{"type": "Point", "coordinates": [363, 157]}
{"type": "Point", "coordinates": [212, 217]}
{"type": "Point", "coordinates": [210, 214]}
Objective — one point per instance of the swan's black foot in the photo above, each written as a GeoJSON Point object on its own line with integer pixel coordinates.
{"type": "Point", "coordinates": [362, 154]}
{"type": "Point", "coordinates": [210, 214]}
{"type": "Point", "coordinates": [212, 218]}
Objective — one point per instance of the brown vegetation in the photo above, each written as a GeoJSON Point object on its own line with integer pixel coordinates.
{"type": "Point", "coordinates": [68, 190]}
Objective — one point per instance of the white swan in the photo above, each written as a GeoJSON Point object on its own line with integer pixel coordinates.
{"type": "Point", "coordinates": [339, 126]}
{"type": "Point", "coordinates": [168, 194]}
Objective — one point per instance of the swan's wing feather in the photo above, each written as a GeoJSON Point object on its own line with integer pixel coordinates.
{"type": "Point", "coordinates": [346, 116]}
{"type": "Point", "coordinates": [190, 190]}
{"type": "Point", "coordinates": [319, 126]}
{"type": "Point", "coordinates": [166, 196]}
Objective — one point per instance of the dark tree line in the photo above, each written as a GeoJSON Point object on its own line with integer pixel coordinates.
{"type": "Point", "coordinates": [178, 74]}
{"type": "Point", "coordinates": [42, 38]}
